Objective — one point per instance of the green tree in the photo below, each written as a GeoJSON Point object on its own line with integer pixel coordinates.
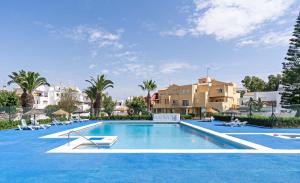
{"type": "Point", "coordinates": [255, 105]}
{"type": "Point", "coordinates": [242, 93]}
{"type": "Point", "coordinates": [108, 105]}
{"type": "Point", "coordinates": [273, 82]}
{"type": "Point", "coordinates": [148, 85]}
{"type": "Point", "coordinates": [8, 101]}
{"type": "Point", "coordinates": [100, 84]}
{"type": "Point", "coordinates": [259, 105]}
{"type": "Point", "coordinates": [291, 72]}
{"type": "Point", "coordinates": [253, 83]}
{"type": "Point", "coordinates": [136, 105]}
{"type": "Point", "coordinates": [28, 82]}
{"type": "Point", "coordinates": [50, 109]}
{"type": "Point", "coordinates": [68, 101]}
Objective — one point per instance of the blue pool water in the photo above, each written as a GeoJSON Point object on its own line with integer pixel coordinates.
{"type": "Point", "coordinates": [96, 138]}
{"type": "Point", "coordinates": [159, 136]}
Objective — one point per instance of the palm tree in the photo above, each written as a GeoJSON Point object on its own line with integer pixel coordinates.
{"type": "Point", "coordinates": [99, 84]}
{"type": "Point", "coordinates": [251, 104]}
{"type": "Point", "coordinates": [91, 93]}
{"type": "Point", "coordinates": [28, 82]}
{"type": "Point", "coordinates": [148, 85]}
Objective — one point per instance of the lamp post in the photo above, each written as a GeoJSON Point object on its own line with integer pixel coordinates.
{"type": "Point", "coordinates": [273, 114]}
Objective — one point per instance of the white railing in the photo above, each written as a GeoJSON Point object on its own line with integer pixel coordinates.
{"type": "Point", "coordinates": [166, 117]}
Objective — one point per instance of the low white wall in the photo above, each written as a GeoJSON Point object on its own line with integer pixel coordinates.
{"type": "Point", "coordinates": [166, 117]}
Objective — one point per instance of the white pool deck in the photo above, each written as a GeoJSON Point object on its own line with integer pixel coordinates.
{"type": "Point", "coordinates": [71, 147]}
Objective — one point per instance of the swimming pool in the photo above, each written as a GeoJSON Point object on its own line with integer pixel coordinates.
{"type": "Point", "coordinates": [159, 136]}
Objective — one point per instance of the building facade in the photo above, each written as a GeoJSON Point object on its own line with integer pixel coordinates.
{"type": "Point", "coordinates": [191, 99]}
{"type": "Point", "coordinates": [51, 95]}
{"type": "Point", "coordinates": [120, 108]}
{"type": "Point", "coordinates": [270, 99]}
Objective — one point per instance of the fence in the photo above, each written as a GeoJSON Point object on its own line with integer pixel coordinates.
{"type": "Point", "coordinates": [13, 113]}
{"type": "Point", "coordinates": [10, 113]}
{"type": "Point", "coordinates": [269, 111]}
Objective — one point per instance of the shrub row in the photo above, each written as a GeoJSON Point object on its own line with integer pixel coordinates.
{"type": "Point", "coordinates": [45, 121]}
{"type": "Point", "coordinates": [279, 122]}
{"type": "Point", "coordinates": [129, 117]}
{"type": "Point", "coordinates": [6, 124]}
{"type": "Point", "coordinates": [186, 116]}
{"type": "Point", "coordinates": [84, 117]}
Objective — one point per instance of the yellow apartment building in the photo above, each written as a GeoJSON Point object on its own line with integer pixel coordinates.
{"type": "Point", "coordinates": [191, 99]}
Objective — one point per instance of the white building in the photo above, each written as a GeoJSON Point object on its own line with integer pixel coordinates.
{"type": "Point", "coordinates": [120, 108]}
{"type": "Point", "coordinates": [51, 95]}
{"type": "Point", "coordinates": [266, 97]}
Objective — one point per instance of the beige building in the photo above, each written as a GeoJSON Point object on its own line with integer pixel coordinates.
{"type": "Point", "coordinates": [191, 99]}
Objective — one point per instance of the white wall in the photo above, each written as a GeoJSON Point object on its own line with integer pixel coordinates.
{"type": "Point", "coordinates": [51, 96]}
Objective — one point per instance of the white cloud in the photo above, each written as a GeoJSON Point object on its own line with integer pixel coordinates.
{"type": "Point", "coordinates": [229, 19]}
{"type": "Point", "coordinates": [269, 38]}
{"type": "Point", "coordinates": [105, 71]}
{"type": "Point", "coordinates": [128, 55]}
{"type": "Point", "coordinates": [143, 70]}
{"type": "Point", "coordinates": [178, 32]}
{"type": "Point", "coordinates": [95, 36]}
{"type": "Point", "coordinates": [170, 68]}
{"type": "Point", "coordinates": [92, 66]}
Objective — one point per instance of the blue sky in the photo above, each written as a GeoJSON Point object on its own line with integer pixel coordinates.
{"type": "Point", "coordinates": [170, 41]}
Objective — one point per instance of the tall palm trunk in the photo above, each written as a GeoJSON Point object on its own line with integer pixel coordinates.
{"type": "Point", "coordinates": [91, 109]}
{"type": "Point", "coordinates": [96, 105]}
{"type": "Point", "coordinates": [148, 102]}
{"type": "Point", "coordinates": [100, 104]}
{"type": "Point", "coordinates": [27, 101]}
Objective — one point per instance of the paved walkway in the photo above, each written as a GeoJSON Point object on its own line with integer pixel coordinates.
{"type": "Point", "coordinates": [252, 134]}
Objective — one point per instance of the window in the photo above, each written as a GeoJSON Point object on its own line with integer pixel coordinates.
{"type": "Point", "coordinates": [166, 101]}
{"type": "Point", "coordinates": [185, 103]}
{"type": "Point", "coordinates": [219, 90]}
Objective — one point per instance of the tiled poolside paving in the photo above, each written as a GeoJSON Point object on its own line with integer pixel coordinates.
{"type": "Point", "coordinates": [23, 158]}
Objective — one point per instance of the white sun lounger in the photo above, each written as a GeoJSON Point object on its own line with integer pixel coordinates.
{"type": "Point", "coordinates": [24, 126]}
{"type": "Point", "coordinates": [244, 123]}
{"type": "Point", "coordinates": [55, 122]}
{"type": "Point", "coordinates": [40, 126]}
{"type": "Point", "coordinates": [235, 123]}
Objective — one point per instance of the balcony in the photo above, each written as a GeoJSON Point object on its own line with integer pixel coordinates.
{"type": "Point", "coordinates": [220, 106]}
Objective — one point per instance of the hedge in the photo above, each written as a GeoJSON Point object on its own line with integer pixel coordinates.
{"type": "Point", "coordinates": [6, 124]}
{"type": "Point", "coordinates": [186, 116]}
{"type": "Point", "coordinates": [84, 117]}
{"type": "Point", "coordinates": [45, 121]}
{"type": "Point", "coordinates": [279, 122]}
{"type": "Point", "coordinates": [129, 117]}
